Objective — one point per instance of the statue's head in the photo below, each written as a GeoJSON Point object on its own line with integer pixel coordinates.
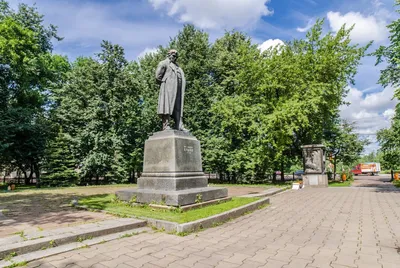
{"type": "Point", "coordinates": [172, 55]}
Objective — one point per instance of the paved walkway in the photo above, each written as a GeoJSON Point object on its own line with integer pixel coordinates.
{"type": "Point", "coordinates": [332, 227]}
{"type": "Point", "coordinates": [378, 181]}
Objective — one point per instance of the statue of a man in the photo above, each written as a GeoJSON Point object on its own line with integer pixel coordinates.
{"type": "Point", "coordinates": [172, 88]}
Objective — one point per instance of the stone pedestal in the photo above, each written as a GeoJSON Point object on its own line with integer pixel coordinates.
{"type": "Point", "coordinates": [315, 180]}
{"type": "Point", "coordinates": [172, 172]}
{"type": "Point", "coordinates": [314, 166]}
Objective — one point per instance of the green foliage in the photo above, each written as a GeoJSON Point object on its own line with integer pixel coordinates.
{"type": "Point", "coordinates": [390, 147]}
{"type": "Point", "coordinates": [10, 256]}
{"type": "Point", "coordinates": [22, 235]}
{"type": "Point", "coordinates": [52, 244]}
{"type": "Point", "coordinates": [89, 119]}
{"type": "Point", "coordinates": [98, 108]}
{"type": "Point", "coordinates": [391, 55]}
{"type": "Point", "coordinates": [273, 103]}
{"type": "Point", "coordinates": [372, 157]}
{"type": "Point", "coordinates": [17, 264]}
{"type": "Point", "coordinates": [83, 238]}
{"type": "Point", "coordinates": [133, 199]}
{"type": "Point", "coordinates": [389, 139]}
{"type": "Point", "coordinates": [59, 163]}
{"type": "Point", "coordinates": [199, 198]}
{"type": "Point", "coordinates": [127, 235]}
{"type": "Point", "coordinates": [344, 146]}
{"type": "Point", "coordinates": [27, 69]}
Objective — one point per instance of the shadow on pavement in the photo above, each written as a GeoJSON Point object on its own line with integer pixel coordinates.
{"type": "Point", "coordinates": [41, 210]}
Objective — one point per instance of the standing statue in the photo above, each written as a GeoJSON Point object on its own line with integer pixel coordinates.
{"type": "Point", "coordinates": [172, 88]}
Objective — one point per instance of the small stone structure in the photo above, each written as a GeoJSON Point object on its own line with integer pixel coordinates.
{"type": "Point", "coordinates": [314, 166]}
{"type": "Point", "coordinates": [172, 172]}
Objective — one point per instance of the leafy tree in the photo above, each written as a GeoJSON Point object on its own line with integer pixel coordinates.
{"type": "Point", "coordinates": [344, 146]}
{"type": "Point", "coordinates": [236, 71]}
{"type": "Point", "coordinates": [27, 70]}
{"type": "Point", "coordinates": [95, 109]}
{"type": "Point", "coordinates": [273, 103]}
{"type": "Point", "coordinates": [60, 163]}
{"type": "Point", "coordinates": [372, 157]}
{"type": "Point", "coordinates": [389, 139]}
{"type": "Point", "coordinates": [391, 54]}
{"type": "Point", "coordinates": [390, 148]}
{"type": "Point", "coordinates": [251, 111]}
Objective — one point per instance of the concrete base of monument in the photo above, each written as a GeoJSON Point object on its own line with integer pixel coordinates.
{"type": "Point", "coordinates": [173, 198]}
{"type": "Point", "coordinates": [315, 180]}
{"type": "Point", "coordinates": [192, 206]}
{"type": "Point", "coordinates": [172, 172]}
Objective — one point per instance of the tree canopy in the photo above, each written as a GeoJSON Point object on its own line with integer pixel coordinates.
{"type": "Point", "coordinates": [389, 139]}
{"type": "Point", "coordinates": [86, 119]}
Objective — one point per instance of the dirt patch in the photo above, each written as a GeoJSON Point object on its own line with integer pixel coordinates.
{"type": "Point", "coordinates": [47, 209]}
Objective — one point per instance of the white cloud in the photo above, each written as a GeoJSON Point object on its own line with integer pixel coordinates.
{"type": "Point", "coordinates": [364, 114]}
{"type": "Point", "coordinates": [389, 113]}
{"type": "Point", "coordinates": [84, 24]}
{"type": "Point", "coordinates": [367, 28]}
{"type": "Point", "coordinates": [147, 51]}
{"type": "Point", "coordinates": [310, 24]}
{"type": "Point", "coordinates": [379, 101]}
{"type": "Point", "coordinates": [370, 112]}
{"type": "Point", "coordinates": [270, 43]}
{"type": "Point", "coordinates": [215, 14]}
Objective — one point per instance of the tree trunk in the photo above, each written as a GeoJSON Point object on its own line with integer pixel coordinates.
{"type": "Point", "coordinates": [31, 174]}
{"type": "Point", "coordinates": [25, 177]}
{"type": "Point", "coordinates": [220, 176]}
{"type": "Point", "coordinates": [130, 179]}
{"type": "Point", "coordinates": [392, 175]}
{"type": "Point", "coordinates": [334, 169]}
{"type": "Point", "coordinates": [282, 172]}
{"type": "Point", "coordinates": [97, 179]}
{"type": "Point", "coordinates": [37, 174]}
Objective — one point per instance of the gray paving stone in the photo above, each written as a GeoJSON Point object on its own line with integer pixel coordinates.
{"type": "Point", "coordinates": [337, 228]}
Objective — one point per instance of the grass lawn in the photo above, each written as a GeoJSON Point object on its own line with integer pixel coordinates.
{"type": "Point", "coordinates": [340, 184]}
{"type": "Point", "coordinates": [396, 183]}
{"type": "Point", "coordinates": [108, 203]}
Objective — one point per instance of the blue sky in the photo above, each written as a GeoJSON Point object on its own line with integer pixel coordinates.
{"type": "Point", "coordinates": [141, 25]}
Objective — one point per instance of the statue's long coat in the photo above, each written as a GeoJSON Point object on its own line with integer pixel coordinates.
{"type": "Point", "coordinates": [166, 75]}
